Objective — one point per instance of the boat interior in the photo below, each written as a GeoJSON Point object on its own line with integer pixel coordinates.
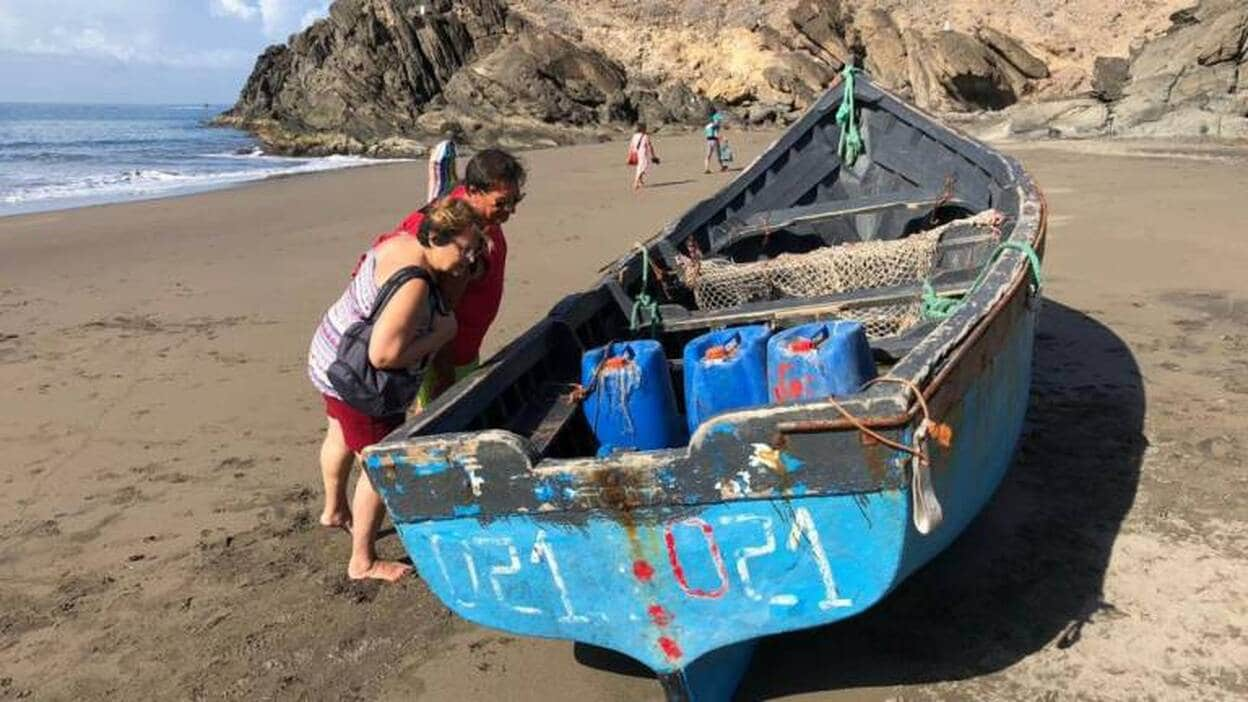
{"type": "Point", "coordinates": [797, 201]}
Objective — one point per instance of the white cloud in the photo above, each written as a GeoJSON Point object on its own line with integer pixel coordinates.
{"type": "Point", "coordinates": [240, 9]}
{"type": "Point", "coordinates": [313, 15]}
{"type": "Point", "coordinates": [125, 31]}
{"type": "Point", "coordinates": [177, 34]}
{"type": "Point", "coordinates": [278, 18]}
{"type": "Point", "coordinates": [282, 17]}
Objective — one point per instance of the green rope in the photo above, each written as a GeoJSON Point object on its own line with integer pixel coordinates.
{"type": "Point", "coordinates": [850, 146]}
{"type": "Point", "coordinates": [644, 301]}
{"type": "Point", "coordinates": [938, 307]}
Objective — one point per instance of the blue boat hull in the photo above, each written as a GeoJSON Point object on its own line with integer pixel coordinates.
{"type": "Point", "coordinates": [773, 518]}
{"type": "Point", "coordinates": [677, 587]}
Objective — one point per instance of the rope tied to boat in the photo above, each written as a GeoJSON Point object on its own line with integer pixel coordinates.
{"type": "Point", "coordinates": [578, 392]}
{"type": "Point", "coordinates": [850, 146]}
{"type": "Point", "coordinates": [927, 512]}
{"type": "Point", "coordinates": [643, 301]}
{"type": "Point", "coordinates": [938, 307]}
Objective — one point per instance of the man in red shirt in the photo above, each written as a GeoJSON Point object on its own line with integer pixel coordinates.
{"type": "Point", "coordinates": [492, 185]}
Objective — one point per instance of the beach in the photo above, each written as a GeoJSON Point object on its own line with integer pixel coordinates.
{"type": "Point", "coordinates": [161, 487]}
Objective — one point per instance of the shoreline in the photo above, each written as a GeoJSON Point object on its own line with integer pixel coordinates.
{"type": "Point", "coordinates": [228, 187]}
{"type": "Point", "coordinates": [87, 201]}
{"type": "Point", "coordinates": [161, 491]}
{"type": "Point", "coordinates": [1195, 149]}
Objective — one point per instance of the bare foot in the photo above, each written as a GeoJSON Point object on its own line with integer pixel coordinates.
{"type": "Point", "coordinates": [337, 520]}
{"type": "Point", "coordinates": [390, 571]}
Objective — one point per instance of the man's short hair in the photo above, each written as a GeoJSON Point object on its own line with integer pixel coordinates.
{"type": "Point", "coordinates": [492, 168]}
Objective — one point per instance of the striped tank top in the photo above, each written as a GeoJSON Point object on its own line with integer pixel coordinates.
{"type": "Point", "coordinates": [354, 305]}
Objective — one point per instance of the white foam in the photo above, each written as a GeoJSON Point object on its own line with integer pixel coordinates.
{"type": "Point", "coordinates": [153, 182]}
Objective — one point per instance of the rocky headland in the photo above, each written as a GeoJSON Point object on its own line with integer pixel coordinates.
{"type": "Point", "coordinates": [386, 77]}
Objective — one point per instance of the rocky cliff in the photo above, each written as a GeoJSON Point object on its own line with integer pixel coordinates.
{"type": "Point", "coordinates": [1190, 82]}
{"type": "Point", "coordinates": [385, 76]}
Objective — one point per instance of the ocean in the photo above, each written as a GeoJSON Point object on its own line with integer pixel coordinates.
{"type": "Point", "coordinates": [55, 156]}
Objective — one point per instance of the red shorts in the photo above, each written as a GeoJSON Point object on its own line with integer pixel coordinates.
{"type": "Point", "coordinates": [359, 429]}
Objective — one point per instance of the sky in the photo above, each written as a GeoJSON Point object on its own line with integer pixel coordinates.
{"type": "Point", "coordinates": [140, 51]}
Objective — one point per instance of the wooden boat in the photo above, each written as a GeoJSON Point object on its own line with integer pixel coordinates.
{"type": "Point", "coordinates": [774, 518]}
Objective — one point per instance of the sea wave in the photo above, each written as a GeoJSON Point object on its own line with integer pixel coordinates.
{"type": "Point", "coordinates": [151, 182]}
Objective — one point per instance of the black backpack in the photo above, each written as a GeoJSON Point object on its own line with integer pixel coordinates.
{"type": "Point", "coordinates": [374, 391]}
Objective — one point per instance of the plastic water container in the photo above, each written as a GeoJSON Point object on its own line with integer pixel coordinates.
{"type": "Point", "coordinates": [725, 370]}
{"type": "Point", "coordinates": [813, 361]}
{"type": "Point", "coordinates": [631, 404]}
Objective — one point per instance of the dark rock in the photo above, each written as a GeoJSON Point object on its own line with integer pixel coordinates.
{"type": "Point", "coordinates": [924, 84]}
{"type": "Point", "coordinates": [1216, 35]}
{"type": "Point", "coordinates": [1225, 34]}
{"type": "Point", "coordinates": [1109, 77]}
{"type": "Point", "coordinates": [683, 104]}
{"type": "Point", "coordinates": [541, 76]}
{"type": "Point", "coordinates": [884, 48]}
{"type": "Point", "coordinates": [823, 25]}
{"type": "Point", "coordinates": [381, 77]}
{"type": "Point", "coordinates": [646, 101]}
{"type": "Point", "coordinates": [763, 113]}
{"type": "Point", "coordinates": [364, 72]}
{"type": "Point", "coordinates": [799, 75]}
{"type": "Point", "coordinates": [669, 103]}
{"type": "Point", "coordinates": [1013, 52]}
{"type": "Point", "coordinates": [1198, 84]}
{"type": "Point", "coordinates": [1184, 82]}
{"type": "Point", "coordinates": [1145, 101]}
{"type": "Point", "coordinates": [770, 39]}
{"type": "Point", "coordinates": [971, 74]}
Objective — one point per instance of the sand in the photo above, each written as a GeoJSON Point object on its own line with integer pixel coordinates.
{"type": "Point", "coordinates": [160, 483]}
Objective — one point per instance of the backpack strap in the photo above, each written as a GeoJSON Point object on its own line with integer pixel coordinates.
{"type": "Point", "coordinates": [400, 278]}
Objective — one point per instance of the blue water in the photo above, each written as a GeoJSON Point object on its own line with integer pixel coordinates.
{"type": "Point", "coordinates": [58, 156]}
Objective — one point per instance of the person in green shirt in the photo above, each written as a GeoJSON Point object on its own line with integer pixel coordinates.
{"type": "Point", "coordinates": [713, 126]}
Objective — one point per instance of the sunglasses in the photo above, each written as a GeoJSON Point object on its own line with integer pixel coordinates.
{"type": "Point", "coordinates": [510, 202]}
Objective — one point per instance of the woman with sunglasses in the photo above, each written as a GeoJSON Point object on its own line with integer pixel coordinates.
{"type": "Point", "coordinates": [409, 329]}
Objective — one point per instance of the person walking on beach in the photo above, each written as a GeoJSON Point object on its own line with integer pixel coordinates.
{"type": "Point", "coordinates": [641, 155]}
{"type": "Point", "coordinates": [443, 174]}
{"type": "Point", "coordinates": [408, 330]}
{"type": "Point", "coordinates": [492, 186]}
{"type": "Point", "coordinates": [714, 123]}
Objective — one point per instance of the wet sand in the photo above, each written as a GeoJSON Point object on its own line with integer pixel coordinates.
{"type": "Point", "coordinates": [160, 486]}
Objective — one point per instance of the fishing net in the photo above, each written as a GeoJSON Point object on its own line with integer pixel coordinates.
{"type": "Point", "coordinates": [719, 284]}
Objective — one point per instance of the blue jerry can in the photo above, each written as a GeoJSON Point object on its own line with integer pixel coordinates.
{"type": "Point", "coordinates": [725, 370]}
{"type": "Point", "coordinates": [813, 361]}
{"type": "Point", "coordinates": [631, 405]}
